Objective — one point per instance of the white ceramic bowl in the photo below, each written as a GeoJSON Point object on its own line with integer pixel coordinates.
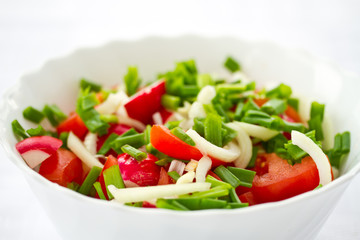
{"type": "Point", "coordinates": [78, 217]}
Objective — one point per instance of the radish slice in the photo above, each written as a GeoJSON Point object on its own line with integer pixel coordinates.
{"type": "Point", "coordinates": [130, 184]}
{"type": "Point", "coordinates": [157, 118]}
{"type": "Point", "coordinates": [138, 194]}
{"type": "Point", "coordinates": [206, 94]}
{"type": "Point", "coordinates": [191, 166]}
{"type": "Point", "coordinates": [177, 166]}
{"type": "Point", "coordinates": [90, 142]}
{"type": "Point", "coordinates": [256, 131]}
{"type": "Point", "coordinates": [245, 145]}
{"type": "Point", "coordinates": [112, 103]}
{"type": "Point", "coordinates": [186, 178]}
{"type": "Point", "coordinates": [202, 169]}
{"type": "Point", "coordinates": [315, 152]}
{"type": "Point", "coordinates": [207, 148]}
{"type": "Point", "coordinates": [78, 148]}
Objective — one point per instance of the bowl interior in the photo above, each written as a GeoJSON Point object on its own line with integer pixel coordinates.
{"type": "Point", "coordinates": [57, 82]}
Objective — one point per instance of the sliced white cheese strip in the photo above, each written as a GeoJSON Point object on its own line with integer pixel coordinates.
{"type": "Point", "coordinates": [306, 144]}
{"type": "Point", "coordinates": [138, 194]}
{"type": "Point", "coordinates": [78, 148]}
{"type": "Point", "coordinates": [256, 131]}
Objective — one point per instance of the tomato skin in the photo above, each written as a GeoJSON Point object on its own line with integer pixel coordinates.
{"type": "Point", "coordinates": [293, 114]}
{"type": "Point", "coordinates": [164, 141]}
{"type": "Point", "coordinates": [111, 161]}
{"type": "Point", "coordinates": [63, 167]}
{"type": "Point", "coordinates": [260, 101]}
{"type": "Point", "coordinates": [73, 124]}
{"type": "Point", "coordinates": [277, 180]}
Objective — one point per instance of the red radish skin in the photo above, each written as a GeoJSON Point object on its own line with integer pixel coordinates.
{"type": "Point", "coordinates": [146, 102]}
{"type": "Point", "coordinates": [35, 150]}
{"type": "Point", "coordinates": [115, 128]}
{"type": "Point", "coordinates": [143, 173]}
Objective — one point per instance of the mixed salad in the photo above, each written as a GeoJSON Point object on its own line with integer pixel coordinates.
{"type": "Point", "coordinates": [187, 141]}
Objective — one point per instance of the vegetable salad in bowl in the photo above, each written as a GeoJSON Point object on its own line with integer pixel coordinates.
{"type": "Point", "coordinates": [188, 141]}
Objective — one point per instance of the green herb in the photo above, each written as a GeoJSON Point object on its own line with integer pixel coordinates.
{"type": "Point", "coordinates": [174, 175]}
{"type": "Point", "coordinates": [232, 65]}
{"type": "Point", "coordinates": [54, 114]}
{"type": "Point", "coordinates": [147, 134]}
{"type": "Point", "coordinates": [294, 103]}
{"type": "Point", "coordinates": [33, 115]}
{"type": "Point", "coordinates": [215, 183]}
{"type": "Point", "coordinates": [219, 109]}
{"type": "Point", "coordinates": [170, 102]}
{"type": "Point", "coordinates": [73, 186]}
{"type": "Point", "coordinates": [99, 190]}
{"type": "Point", "coordinates": [237, 205]}
{"type": "Point", "coordinates": [135, 153]}
{"type": "Point", "coordinates": [39, 131]}
{"type": "Point", "coordinates": [93, 87]}
{"type": "Point", "coordinates": [90, 180]}
{"type": "Point", "coordinates": [253, 157]}
{"type": "Point", "coordinates": [109, 118]}
{"type": "Point", "coordinates": [274, 106]}
{"type": "Point", "coordinates": [64, 137]}
{"type": "Point", "coordinates": [163, 162]}
{"type": "Point", "coordinates": [189, 91]}
{"type": "Point", "coordinates": [215, 192]}
{"type": "Point", "coordinates": [245, 176]}
{"type": "Point", "coordinates": [112, 176]}
{"type": "Point", "coordinates": [203, 80]}
{"type": "Point", "coordinates": [281, 91]}
{"type": "Point", "coordinates": [178, 132]}
{"type": "Point", "coordinates": [172, 124]}
{"type": "Point", "coordinates": [136, 140]}
{"type": "Point", "coordinates": [18, 130]}
{"type": "Point", "coordinates": [107, 144]}
{"type": "Point", "coordinates": [233, 196]}
{"type": "Point", "coordinates": [227, 176]}
{"type": "Point", "coordinates": [132, 80]}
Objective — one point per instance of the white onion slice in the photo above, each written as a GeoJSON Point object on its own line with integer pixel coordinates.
{"type": "Point", "coordinates": [207, 148]}
{"type": "Point", "coordinates": [78, 148]}
{"type": "Point", "coordinates": [191, 166]}
{"type": "Point", "coordinates": [90, 142]}
{"type": "Point", "coordinates": [157, 118]}
{"type": "Point", "coordinates": [206, 94]}
{"type": "Point", "coordinates": [245, 145]}
{"type": "Point", "coordinates": [256, 131]}
{"type": "Point", "coordinates": [131, 122]}
{"type": "Point", "coordinates": [202, 169]}
{"type": "Point", "coordinates": [177, 166]}
{"type": "Point", "coordinates": [186, 178]}
{"type": "Point", "coordinates": [197, 110]}
{"type": "Point", "coordinates": [112, 103]}
{"type": "Point", "coordinates": [315, 152]}
{"type": "Point", "coordinates": [138, 194]}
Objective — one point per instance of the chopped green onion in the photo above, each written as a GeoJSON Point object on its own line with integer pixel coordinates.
{"type": "Point", "coordinates": [73, 186]}
{"type": "Point", "coordinates": [317, 109]}
{"type": "Point", "coordinates": [178, 132]}
{"type": "Point", "coordinates": [107, 144]}
{"type": "Point", "coordinates": [315, 123]}
{"type": "Point", "coordinates": [212, 129]}
{"type": "Point", "coordinates": [39, 131]}
{"type": "Point", "coordinates": [63, 137]}
{"type": "Point", "coordinates": [89, 101]}
{"type": "Point", "coordinates": [238, 205]}
{"type": "Point", "coordinates": [233, 196]}
{"type": "Point", "coordinates": [209, 108]}
{"type": "Point", "coordinates": [18, 130]}
{"type": "Point", "coordinates": [232, 65]}
{"type": "Point", "coordinates": [170, 102]}
{"type": "Point", "coordinates": [172, 124]}
{"type": "Point", "coordinates": [345, 147]}
{"type": "Point", "coordinates": [253, 157]}
{"type": "Point", "coordinates": [90, 180]}
{"type": "Point", "coordinates": [212, 204]}
{"type": "Point", "coordinates": [245, 176]}
{"type": "Point", "coordinates": [150, 149]}
{"type": "Point", "coordinates": [135, 153]}
{"type": "Point", "coordinates": [33, 115]}
{"type": "Point", "coordinates": [214, 182]}
{"type": "Point", "coordinates": [54, 114]}
{"type": "Point", "coordinates": [219, 109]}
{"type": "Point", "coordinates": [112, 176]}
{"type": "Point", "coordinates": [203, 80]}
{"type": "Point", "coordinates": [147, 134]}
{"type": "Point", "coordinates": [227, 176]}
{"type": "Point", "coordinates": [229, 88]}
{"type": "Point", "coordinates": [281, 91]}
{"type": "Point", "coordinates": [215, 192]}
{"type": "Point", "coordinates": [189, 203]}
{"type": "Point", "coordinates": [132, 80]}
{"type": "Point", "coordinates": [174, 175]}
{"type": "Point", "coordinates": [239, 111]}
{"type": "Point", "coordinates": [109, 118]}
{"type": "Point", "coordinates": [189, 91]}
{"type": "Point", "coordinates": [170, 204]}
{"type": "Point", "coordinates": [94, 87]}
{"type": "Point", "coordinates": [294, 103]}
{"type": "Point", "coordinates": [163, 162]}
{"type": "Point", "coordinates": [276, 142]}
{"type": "Point", "coordinates": [99, 190]}
{"type": "Point", "coordinates": [274, 106]}
{"type": "Point", "coordinates": [136, 140]}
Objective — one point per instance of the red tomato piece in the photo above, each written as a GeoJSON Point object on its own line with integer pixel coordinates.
{"type": "Point", "coordinates": [63, 167]}
{"type": "Point", "coordinates": [143, 173]}
{"type": "Point", "coordinates": [111, 161]}
{"type": "Point", "coordinates": [260, 101]}
{"type": "Point", "coordinates": [276, 179]}
{"type": "Point", "coordinates": [146, 102]}
{"type": "Point", "coordinates": [73, 124]}
{"type": "Point", "coordinates": [293, 114]}
{"type": "Point", "coordinates": [164, 141]}
{"type": "Point", "coordinates": [248, 197]}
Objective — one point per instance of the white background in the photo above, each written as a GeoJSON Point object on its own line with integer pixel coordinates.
{"type": "Point", "coordinates": [33, 31]}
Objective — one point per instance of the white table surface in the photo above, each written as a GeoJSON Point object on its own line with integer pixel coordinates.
{"type": "Point", "coordinates": [33, 31]}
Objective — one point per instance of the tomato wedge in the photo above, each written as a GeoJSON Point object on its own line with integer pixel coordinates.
{"type": "Point", "coordinates": [164, 141]}
{"type": "Point", "coordinates": [164, 178]}
{"type": "Point", "coordinates": [62, 167]}
{"type": "Point", "coordinates": [293, 114]}
{"type": "Point", "coordinates": [276, 179]}
{"type": "Point", "coordinates": [73, 124]}
{"type": "Point", "coordinates": [111, 161]}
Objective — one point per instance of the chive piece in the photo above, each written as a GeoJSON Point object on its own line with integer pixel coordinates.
{"type": "Point", "coordinates": [317, 109]}
{"type": "Point", "coordinates": [150, 149]}
{"type": "Point", "coordinates": [90, 180]}
{"type": "Point", "coordinates": [174, 175]}
{"type": "Point", "coordinates": [215, 183]}
{"type": "Point", "coordinates": [253, 157]}
{"type": "Point", "coordinates": [238, 205]}
{"type": "Point", "coordinates": [228, 134]}
{"type": "Point", "coordinates": [233, 196]}
{"type": "Point", "coordinates": [281, 91]}
{"type": "Point", "coordinates": [39, 131]}
{"type": "Point", "coordinates": [170, 102]}
{"type": "Point", "coordinates": [239, 110]}
{"type": "Point", "coordinates": [294, 103]}
{"type": "Point", "coordinates": [73, 186]}
{"type": "Point", "coordinates": [199, 126]}
{"type": "Point", "coordinates": [109, 118]}
{"type": "Point", "coordinates": [163, 162]}
{"type": "Point", "coordinates": [189, 203]}
{"type": "Point", "coordinates": [227, 176]}
{"type": "Point", "coordinates": [178, 132]}
{"type": "Point", "coordinates": [170, 204]}
{"type": "Point", "coordinates": [315, 123]}
{"type": "Point", "coordinates": [132, 80]}
{"type": "Point", "coordinates": [232, 65]}
{"type": "Point", "coordinates": [18, 130]}
{"type": "Point", "coordinates": [63, 137]}
{"type": "Point", "coordinates": [212, 204]}
{"type": "Point", "coordinates": [209, 108]}
{"type": "Point", "coordinates": [319, 186]}
{"type": "Point", "coordinates": [274, 106]}
{"type": "Point", "coordinates": [136, 140]}
{"type": "Point", "coordinates": [212, 129]}
{"type": "Point", "coordinates": [135, 153]}
{"type": "Point", "coordinates": [172, 124]}
{"type": "Point", "coordinates": [189, 91]}
{"type": "Point", "coordinates": [107, 144]}
{"type": "Point", "coordinates": [345, 140]}
{"type": "Point", "coordinates": [219, 109]}
{"type": "Point", "coordinates": [89, 101]}
{"type": "Point", "coordinates": [203, 80]}
{"type": "Point", "coordinates": [245, 176]}
{"type": "Point", "coordinates": [136, 204]}
{"type": "Point", "coordinates": [147, 134]}
{"type": "Point", "coordinates": [33, 115]}
{"type": "Point", "coordinates": [228, 88]}
{"type": "Point", "coordinates": [54, 114]}
{"type": "Point", "coordinates": [215, 192]}
{"type": "Point", "coordinates": [94, 87]}
{"type": "Point", "coordinates": [112, 176]}
{"type": "Point", "coordinates": [99, 190]}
